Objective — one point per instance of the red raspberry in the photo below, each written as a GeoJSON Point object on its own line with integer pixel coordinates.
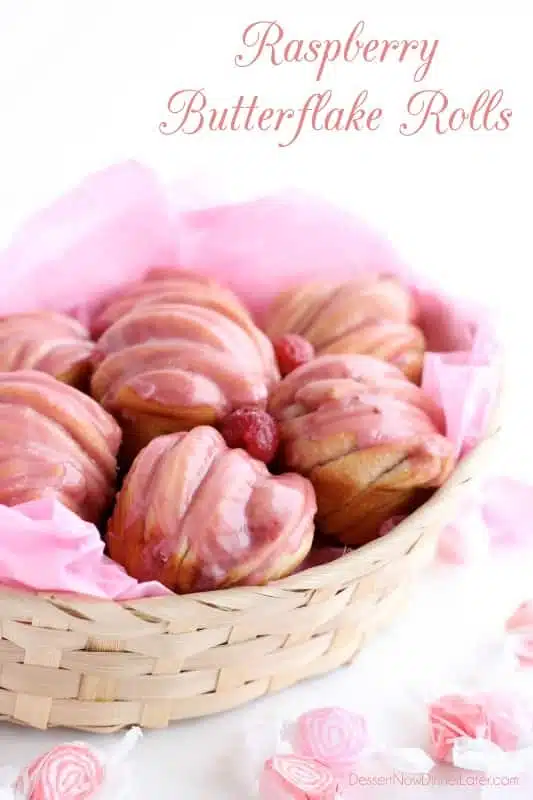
{"type": "Point", "coordinates": [254, 430]}
{"type": "Point", "coordinates": [292, 351]}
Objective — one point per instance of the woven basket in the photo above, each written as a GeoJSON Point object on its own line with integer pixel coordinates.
{"type": "Point", "coordinates": [101, 666]}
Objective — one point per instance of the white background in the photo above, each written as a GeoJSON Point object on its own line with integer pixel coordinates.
{"type": "Point", "coordinates": [84, 83]}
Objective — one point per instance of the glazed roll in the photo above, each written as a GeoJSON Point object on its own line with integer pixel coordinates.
{"type": "Point", "coordinates": [341, 377]}
{"type": "Point", "coordinates": [164, 286]}
{"type": "Point", "coordinates": [47, 342]}
{"type": "Point", "coordinates": [371, 445]}
{"type": "Point", "coordinates": [373, 316]}
{"type": "Point", "coordinates": [55, 442]}
{"type": "Point", "coordinates": [196, 515]}
{"type": "Point", "coordinates": [165, 368]}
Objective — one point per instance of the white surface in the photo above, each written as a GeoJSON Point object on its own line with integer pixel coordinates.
{"type": "Point", "coordinates": [83, 84]}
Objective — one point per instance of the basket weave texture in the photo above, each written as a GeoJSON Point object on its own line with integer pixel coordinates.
{"type": "Point", "coordinates": [100, 666]}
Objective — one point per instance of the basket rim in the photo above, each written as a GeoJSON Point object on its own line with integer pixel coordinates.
{"type": "Point", "coordinates": [463, 473]}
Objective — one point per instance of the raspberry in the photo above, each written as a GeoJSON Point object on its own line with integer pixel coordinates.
{"type": "Point", "coordinates": [254, 430]}
{"type": "Point", "coordinates": [292, 351]}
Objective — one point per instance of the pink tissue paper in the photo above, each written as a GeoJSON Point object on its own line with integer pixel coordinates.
{"type": "Point", "coordinates": [122, 221]}
{"type": "Point", "coordinates": [46, 547]}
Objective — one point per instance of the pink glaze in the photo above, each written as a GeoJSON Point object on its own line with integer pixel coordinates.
{"type": "Point", "coordinates": [374, 419]}
{"type": "Point", "coordinates": [346, 375]}
{"type": "Point", "coordinates": [354, 317]}
{"type": "Point", "coordinates": [400, 449]}
{"type": "Point", "coordinates": [148, 368]}
{"type": "Point", "coordinates": [183, 356]}
{"type": "Point", "coordinates": [183, 389]}
{"type": "Point", "coordinates": [57, 324]}
{"type": "Point", "coordinates": [321, 311]}
{"type": "Point", "coordinates": [195, 515]}
{"type": "Point", "coordinates": [55, 442]}
{"type": "Point", "coordinates": [164, 287]}
{"type": "Point", "coordinates": [44, 341]}
{"type": "Point", "coordinates": [370, 315]}
{"type": "Point", "coordinates": [381, 338]}
{"type": "Point", "coordinates": [83, 419]}
{"type": "Point", "coordinates": [183, 323]}
{"type": "Point", "coordinates": [40, 459]}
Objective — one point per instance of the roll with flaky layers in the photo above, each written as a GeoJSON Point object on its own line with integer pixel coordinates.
{"type": "Point", "coordinates": [196, 515]}
{"type": "Point", "coordinates": [165, 368]}
{"type": "Point", "coordinates": [48, 342]}
{"type": "Point", "coordinates": [340, 377]}
{"type": "Point", "coordinates": [55, 442]}
{"type": "Point", "coordinates": [371, 315]}
{"type": "Point", "coordinates": [370, 442]}
{"type": "Point", "coordinates": [168, 286]}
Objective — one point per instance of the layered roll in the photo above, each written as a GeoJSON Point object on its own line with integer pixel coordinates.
{"type": "Point", "coordinates": [48, 342]}
{"type": "Point", "coordinates": [372, 315]}
{"type": "Point", "coordinates": [371, 443]}
{"type": "Point", "coordinates": [55, 442]}
{"type": "Point", "coordinates": [196, 515]}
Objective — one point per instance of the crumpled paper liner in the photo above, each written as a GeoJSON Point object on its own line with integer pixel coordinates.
{"type": "Point", "coordinates": [46, 547]}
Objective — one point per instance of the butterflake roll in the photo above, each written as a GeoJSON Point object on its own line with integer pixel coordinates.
{"type": "Point", "coordinates": [370, 453]}
{"type": "Point", "coordinates": [373, 315]}
{"type": "Point", "coordinates": [196, 515]}
{"type": "Point", "coordinates": [166, 368]}
{"type": "Point", "coordinates": [341, 377]}
{"type": "Point", "coordinates": [55, 442]}
{"type": "Point", "coordinates": [47, 342]}
{"type": "Point", "coordinates": [166, 285]}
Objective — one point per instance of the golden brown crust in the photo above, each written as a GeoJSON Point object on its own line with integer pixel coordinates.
{"type": "Point", "coordinates": [196, 516]}
{"type": "Point", "coordinates": [181, 352]}
{"type": "Point", "coordinates": [47, 342]}
{"type": "Point", "coordinates": [373, 315]}
{"type": "Point", "coordinates": [56, 442]}
{"type": "Point", "coordinates": [369, 441]}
